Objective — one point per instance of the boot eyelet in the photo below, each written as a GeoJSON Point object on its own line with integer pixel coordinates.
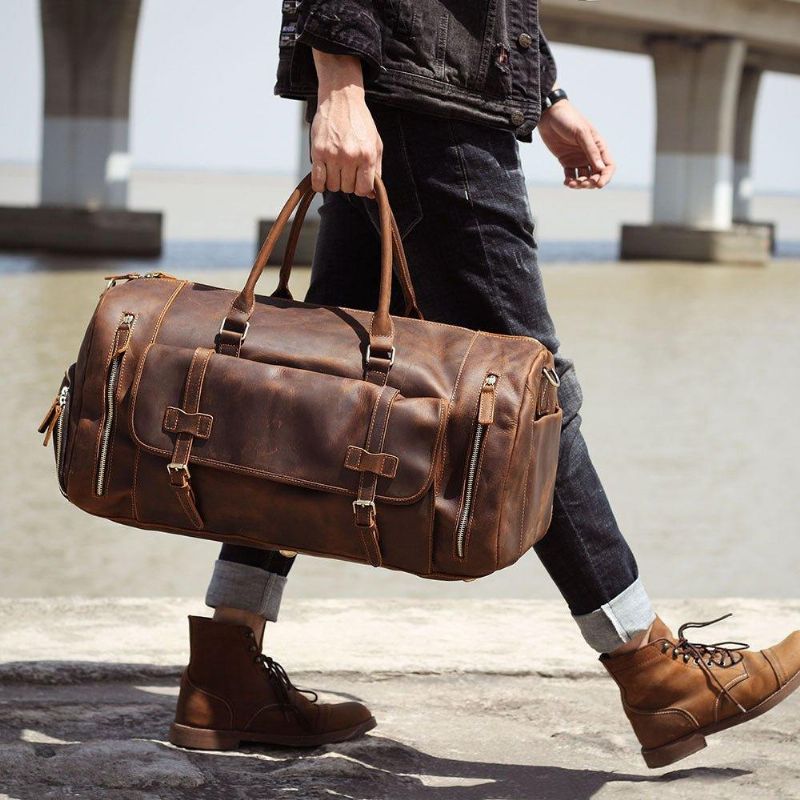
{"type": "Point", "coordinates": [686, 658]}
{"type": "Point", "coordinates": [665, 647]}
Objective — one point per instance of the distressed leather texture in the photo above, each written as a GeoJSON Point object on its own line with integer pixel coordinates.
{"type": "Point", "coordinates": [336, 432]}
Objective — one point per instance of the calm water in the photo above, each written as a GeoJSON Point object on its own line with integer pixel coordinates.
{"type": "Point", "coordinates": [691, 377]}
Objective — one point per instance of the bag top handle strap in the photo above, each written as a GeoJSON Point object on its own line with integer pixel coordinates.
{"type": "Point", "coordinates": [380, 352]}
{"type": "Point", "coordinates": [400, 262]}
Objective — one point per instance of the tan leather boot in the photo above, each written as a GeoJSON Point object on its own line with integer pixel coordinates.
{"type": "Point", "coordinates": [676, 692]}
{"type": "Point", "coordinates": [231, 693]}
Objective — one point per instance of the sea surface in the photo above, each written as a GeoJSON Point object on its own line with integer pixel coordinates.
{"type": "Point", "coordinates": [690, 373]}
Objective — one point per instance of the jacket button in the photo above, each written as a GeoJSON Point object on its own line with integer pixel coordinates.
{"type": "Point", "coordinates": [517, 118]}
{"type": "Point", "coordinates": [524, 40]}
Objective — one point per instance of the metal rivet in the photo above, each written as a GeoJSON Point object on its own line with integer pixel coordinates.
{"type": "Point", "coordinates": [524, 40]}
{"type": "Point", "coordinates": [517, 118]}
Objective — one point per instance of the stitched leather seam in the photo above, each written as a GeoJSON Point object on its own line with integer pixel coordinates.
{"type": "Point", "coordinates": [775, 663]}
{"type": "Point", "coordinates": [661, 712]}
{"type": "Point", "coordinates": [738, 679]}
{"type": "Point", "coordinates": [156, 329]}
{"type": "Point", "coordinates": [451, 401]}
{"type": "Point", "coordinates": [263, 708]}
{"type": "Point", "coordinates": [210, 694]}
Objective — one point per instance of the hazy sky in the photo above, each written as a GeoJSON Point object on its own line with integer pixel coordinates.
{"type": "Point", "coordinates": [202, 96]}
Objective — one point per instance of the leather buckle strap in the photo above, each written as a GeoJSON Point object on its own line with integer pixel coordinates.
{"type": "Point", "coordinates": [180, 478]}
{"type": "Point", "coordinates": [364, 512]}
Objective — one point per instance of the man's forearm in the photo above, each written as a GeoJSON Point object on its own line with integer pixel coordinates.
{"type": "Point", "coordinates": [336, 72]}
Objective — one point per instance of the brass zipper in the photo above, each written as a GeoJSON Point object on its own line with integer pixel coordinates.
{"type": "Point", "coordinates": [121, 340]}
{"type": "Point", "coordinates": [484, 419]}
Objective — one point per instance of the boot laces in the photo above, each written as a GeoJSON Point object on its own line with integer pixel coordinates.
{"type": "Point", "coordinates": [708, 656]}
{"type": "Point", "coordinates": [281, 681]}
{"type": "Point", "coordinates": [277, 675]}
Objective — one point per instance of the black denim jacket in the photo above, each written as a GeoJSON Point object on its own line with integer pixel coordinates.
{"type": "Point", "coordinates": [481, 60]}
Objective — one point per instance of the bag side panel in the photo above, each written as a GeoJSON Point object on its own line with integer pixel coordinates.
{"type": "Point", "coordinates": [476, 525]}
{"type": "Point", "coordinates": [147, 300]}
{"type": "Point", "coordinates": [527, 504]}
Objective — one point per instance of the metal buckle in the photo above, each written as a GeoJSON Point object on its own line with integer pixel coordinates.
{"type": "Point", "coordinates": [176, 467]}
{"type": "Point", "coordinates": [390, 355]}
{"type": "Point", "coordinates": [363, 504]}
{"type": "Point", "coordinates": [228, 330]}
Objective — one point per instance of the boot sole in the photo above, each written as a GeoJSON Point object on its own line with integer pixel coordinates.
{"type": "Point", "coordinates": [209, 739]}
{"type": "Point", "coordinates": [674, 751]}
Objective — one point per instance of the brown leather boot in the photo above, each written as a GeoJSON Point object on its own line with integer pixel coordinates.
{"type": "Point", "coordinates": [231, 693]}
{"type": "Point", "coordinates": [676, 692]}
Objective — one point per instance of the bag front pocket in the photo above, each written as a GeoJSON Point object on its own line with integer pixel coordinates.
{"type": "Point", "coordinates": [285, 430]}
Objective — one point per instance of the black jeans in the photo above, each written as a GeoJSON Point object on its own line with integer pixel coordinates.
{"type": "Point", "coordinates": [459, 196]}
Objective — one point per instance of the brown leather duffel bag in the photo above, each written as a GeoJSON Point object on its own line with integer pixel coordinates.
{"type": "Point", "coordinates": [263, 421]}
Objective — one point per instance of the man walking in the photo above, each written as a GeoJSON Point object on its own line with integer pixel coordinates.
{"type": "Point", "coordinates": [434, 97]}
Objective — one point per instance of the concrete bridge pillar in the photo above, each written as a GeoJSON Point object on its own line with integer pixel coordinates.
{"type": "Point", "coordinates": [88, 56]}
{"type": "Point", "coordinates": [742, 184]}
{"type": "Point", "coordinates": [698, 88]}
{"type": "Point", "coordinates": [85, 164]}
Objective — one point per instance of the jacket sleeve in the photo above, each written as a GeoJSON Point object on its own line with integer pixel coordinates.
{"type": "Point", "coordinates": [547, 66]}
{"type": "Point", "coordinates": [342, 27]}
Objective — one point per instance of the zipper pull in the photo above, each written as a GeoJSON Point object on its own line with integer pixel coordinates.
{"type": "Point", "coordinates": [159, 275]}
{"type": "Point", "coordinates": [113, 279]}
{"type": "Point", "coordinates": [123, 337]}
{"type": "Point", "coordinates": [486, 405]}
{"type": "Point", "coordinates": [51, 417]}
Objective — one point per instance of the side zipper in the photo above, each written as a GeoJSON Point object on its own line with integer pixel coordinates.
{"type": "Point", "coordinates": [484, 420]}
{"type": "Point", "coordinates": [54, 425]}
{"type": "Point", "coordinates": [121, 341]}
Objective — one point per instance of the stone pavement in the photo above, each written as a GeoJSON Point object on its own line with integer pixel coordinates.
{"type": "Point", "coordinates": [494, 700]}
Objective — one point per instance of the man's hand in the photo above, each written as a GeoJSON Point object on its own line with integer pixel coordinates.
{"type": "Point", "coordinates": [346, 149]}
{"type": "Point", "coordinates": [572, 139]}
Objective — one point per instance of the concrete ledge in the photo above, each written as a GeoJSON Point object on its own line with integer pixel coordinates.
{"type": "Point", "coordinates": [81, 230]}
{"type": "Point", "coordinates": [66, 640]}
{"type": "Point", "coordinates": [504, 718]}
{"type": "Point", "coordinates": [306, 243]}
{"type": "Point", "coordinates": [743, 244]}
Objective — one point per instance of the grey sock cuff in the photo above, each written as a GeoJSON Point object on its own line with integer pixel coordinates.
{"type": "Point", "coordinates": [619, 620]}
{"type": "Point", "coordinates": [247, 588]}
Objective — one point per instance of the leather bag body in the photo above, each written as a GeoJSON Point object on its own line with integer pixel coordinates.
{"type": "Point", "coordinates": [264, 421]}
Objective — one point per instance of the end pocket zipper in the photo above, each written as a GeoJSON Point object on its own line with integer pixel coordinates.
{"type": "Point", "coordinates": [53, 425]}
{"type": "Point", "coordinates": [484, 419]}
{"type": "Point", "coordinates": [121, 341]}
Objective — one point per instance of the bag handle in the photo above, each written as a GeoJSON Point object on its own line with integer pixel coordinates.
{"type": "Point", "coordinates": [380, 351]}
{"type": "Point", "coordinates": [400, 262]}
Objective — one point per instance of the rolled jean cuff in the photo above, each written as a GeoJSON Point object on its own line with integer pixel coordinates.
{"type": "Point", "coordinates": [619, 620]}
{"type": "Point", "coordinates": [247, 588]}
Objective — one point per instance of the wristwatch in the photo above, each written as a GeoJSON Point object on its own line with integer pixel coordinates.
{"type": "Point", "coordinates": [551, 99]}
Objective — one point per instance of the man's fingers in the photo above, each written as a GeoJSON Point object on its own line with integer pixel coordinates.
{"type": "Point", "coordinates": [365, 181]}
{"type": "Point", "coordinates": [347, 180]}
{"type": "Point", "coordinates": [587, 141]}
{"type": "Point", "coordinates": [318, 176]}
{"type": "Point", "coordinates": [334, 181]}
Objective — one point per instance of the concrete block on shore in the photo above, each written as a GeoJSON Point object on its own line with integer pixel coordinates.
{"type": "Point", "coordinates": [306, 242]}
{"type": "Point", "coordinates": [742, 244]}
{"type": "Point", "coordinates": [65, 229]}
